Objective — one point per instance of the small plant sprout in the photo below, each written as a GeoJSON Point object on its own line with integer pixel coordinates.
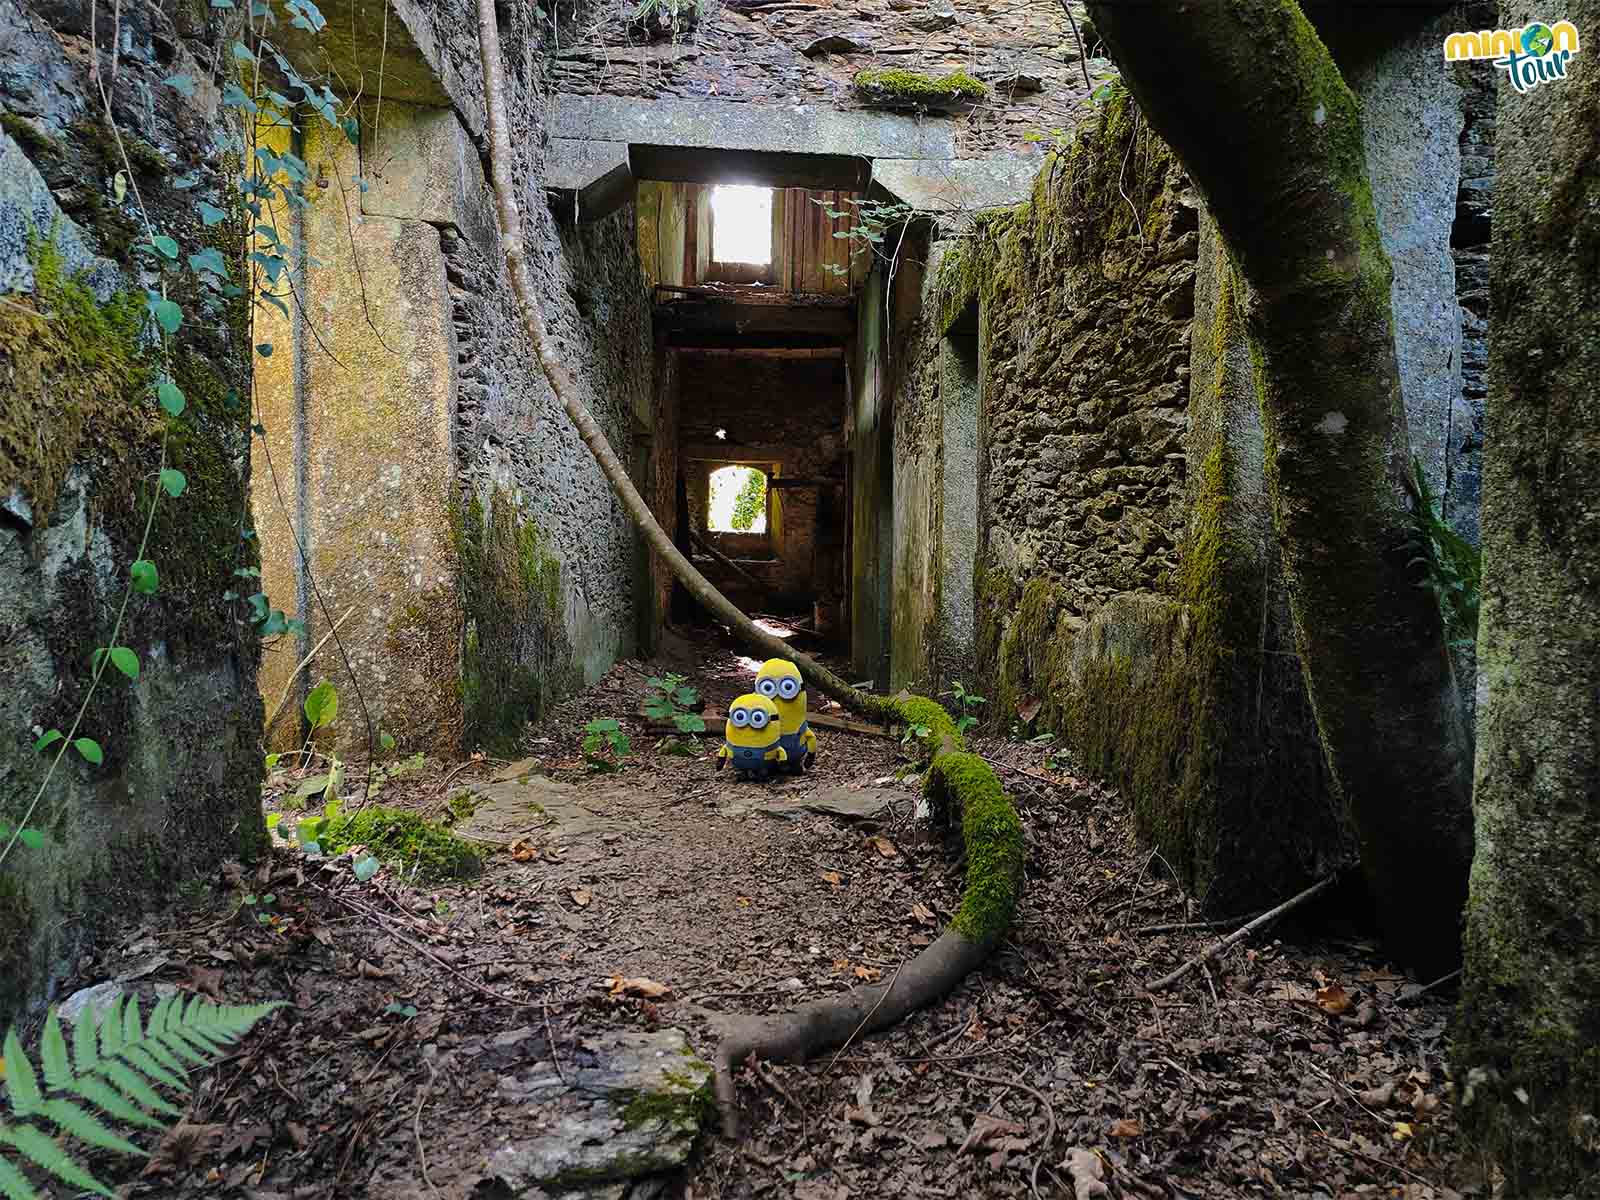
{"type": "Point", "coordinates": [968, 704]}
{"type": "Point", "coordinates": [671, 699]}
{"type": "Point", "coordinates": [605, 745]}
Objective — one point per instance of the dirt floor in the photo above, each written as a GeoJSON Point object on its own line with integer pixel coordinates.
{"type": "Point", "coordinates": [1302, 1068]}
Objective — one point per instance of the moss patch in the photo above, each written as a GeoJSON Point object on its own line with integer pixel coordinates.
{"type": "Point", "coordinates": [992, 835]}
{"type": "Point", "coordinates": [516, 658]}
{"type": "Point", "coordinates": [401, 836]}
{"type": "Point", "coordinates": [914, 87]}
{"type": "Point", "coordinates": [72, 367]}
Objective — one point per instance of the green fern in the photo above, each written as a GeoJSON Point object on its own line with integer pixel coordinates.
{"type": "Point", "coordinates": [1452, 566]}
{"type": "Point", "coordinates": [113, 1068]}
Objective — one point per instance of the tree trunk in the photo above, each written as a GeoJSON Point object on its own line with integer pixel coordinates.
{"type": "Point", "coordinates": [1250, 99]}
{"type": "Point", "coordinates": [1528, 1041]}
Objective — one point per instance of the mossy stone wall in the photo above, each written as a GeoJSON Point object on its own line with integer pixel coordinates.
{"type": "Point", "coordinates": [80, 441]}
{"type": "Point", "coordinates": [1126, 542]}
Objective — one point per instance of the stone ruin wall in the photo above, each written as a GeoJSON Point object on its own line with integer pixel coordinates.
{"type": "Point", "coordinates": [808, 51]}
{"type": "Point", "coordinates": [1129, 596]}
{"type": "Point", "coordinates": [80, 436]}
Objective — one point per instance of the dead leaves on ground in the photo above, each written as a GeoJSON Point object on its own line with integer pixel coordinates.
{"type": "Point", "coordinates": [635, 985]}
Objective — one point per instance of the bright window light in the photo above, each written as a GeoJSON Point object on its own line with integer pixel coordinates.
{"type": "Point", "coordinates": [741, 224]}
{"type": "Point", "coordinates": [738, 500]}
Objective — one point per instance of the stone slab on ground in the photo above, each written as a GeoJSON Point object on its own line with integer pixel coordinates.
{"type": "Point", "coordinates": [628, 1105]}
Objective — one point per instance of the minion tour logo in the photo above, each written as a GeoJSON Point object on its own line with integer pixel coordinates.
{"type": "Point", "coordinates": [1533, 55]}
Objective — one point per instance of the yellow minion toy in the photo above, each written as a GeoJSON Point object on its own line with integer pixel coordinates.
{"type": "Point", "coordinates": [779, 681]}
{"type": "Point", "coordinates": [750, 740]}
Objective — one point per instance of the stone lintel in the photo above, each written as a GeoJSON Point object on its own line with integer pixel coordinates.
{"type": "Point", "coordinates": [956, 184]}
{"type": "Point", "coordinates": [728, 125]}
{"type": "Point", "coordinates": [593, 175]}
{"type": "Point", "coordinates": [387, 48]}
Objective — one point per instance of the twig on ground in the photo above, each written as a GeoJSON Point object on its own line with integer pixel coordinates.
{"type": "Point", "coordinates": [1238, 935]}
{"type": "Point", "coordinates": [1182, 926]}
{"type": "Point", "coordinates": [1407, 999]}
{"type": "Point", "coordinates": [1382, 1162]}
{"type": "Point", "coordinates": [416, 1130]}
{"type": "Point", "coordinates": [1005, 766]}
{"type": "Point", "coordinates": [555, 1057]}
{"type": "Point", "coordinates": [425, 952]}
{"type": "Point", "coordinates": [1049, 1112]}
{"type": "Point", "coordinates": [865, 1019]}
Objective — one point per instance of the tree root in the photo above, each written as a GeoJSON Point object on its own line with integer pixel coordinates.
{"type": "Point", "coordinates": [992, 835]}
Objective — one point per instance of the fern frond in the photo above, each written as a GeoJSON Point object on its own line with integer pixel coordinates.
{"type": "Point", "coordinates": [22, 1085]}
{"type": "Point", "coordinates": [116, 1063]}
{"type": "Point", "coordinates": [48, 1155]}
{"type": "Point", "coordinates": [53, 1054]}
{"type": "Point", "coordinates": [14, 1184]}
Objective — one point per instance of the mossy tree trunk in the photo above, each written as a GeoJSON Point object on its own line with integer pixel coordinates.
{"type": "Point", "coordinates": [1528, 1039]}
{"type": "Point", "coordinates": [1253, 104]}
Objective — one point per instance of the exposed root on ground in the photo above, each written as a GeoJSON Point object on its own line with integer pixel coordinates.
{"type": "Point", "coordinates": [992, 836]}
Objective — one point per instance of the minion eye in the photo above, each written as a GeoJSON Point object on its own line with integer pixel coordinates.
{"type": "Point", "coordinates": [758, 719]}
{"type": "Point", "coordinates": [741, 717]}
{"type": "Point", "coordinates": [789, 688]}
{"type": "Point", "coordinates": [767, 687]}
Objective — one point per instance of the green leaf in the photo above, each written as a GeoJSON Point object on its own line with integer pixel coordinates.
{"type": "Point", "coordinates": [365, 868]}
{"type": "Point", "coordinates": [210, 259]}
{"type": "Point", "coordinates": [386, 740]}
{"type": "Point", "coordinates": [174, 481]}
{"type": "Point", "coordinates": [689, 723]}
{"type": "Point", "coordinates": [322, 705]}
{"type": "Point", "coordinates": [22, 1085]}
{"type": "Point", "coordinates": [602, 725]}
{"type": "Point", "coordinates": [86, 1127]}
{"type": "Point", "coordinates": [49, 738]}
{"type": "Point", "coordinates": [685, 696]}
{"type": "Point", "coordinates": [132, 1085]}
{"type": "Point", "coordinates": [264, 349]}
{"type": "Point", "coordinates": [144, 577]}
{"type": "Point", "coordinates": [33, 839]}
{"type": "Point", "coordinates": [273, 820]}
{"type": "Point", "coordinates": [85, 1050]}
{"type": "Point", "coordinates": [171, 397]}
{"type": "Point", "coordinates": [167, 314]}
{"type": "Point", "coordinates": [47, 1154]}
{"type": "Point", "coordinates": [110, 1101]}
{"type": "Point", "coordinates": [13, 1185]}
{"type": "Point", "coordinates": [242, 53]}
{"type": "Point", "coordinates": [210, 213]}
{"type": "Point", "coordinates": [165, 246]}
{"type": "Point", "coordinates": [90, 749]}
{"type": "Point", "coordinates": [182, 84]}
{"type": "Point", "coordinates": [125, 660]}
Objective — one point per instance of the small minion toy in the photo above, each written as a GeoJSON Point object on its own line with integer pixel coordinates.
{"type": "Point", "coordinates": [750, 740]}
{"type": "Point", "coordinates": [779, 681]}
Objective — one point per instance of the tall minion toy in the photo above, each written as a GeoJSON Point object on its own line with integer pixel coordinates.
{"type": "Point", "coordinates": [779, 681]}
{"type": "Point", "coordinates": [750, 739]}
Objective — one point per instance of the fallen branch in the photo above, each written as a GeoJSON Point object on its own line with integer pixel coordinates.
{"type": "Point", "coordinates": [1238, 935]}
{"type": "Point", "coordinates": [722, 559]}
{"type": "Point", "coordinates": [1407, 999]}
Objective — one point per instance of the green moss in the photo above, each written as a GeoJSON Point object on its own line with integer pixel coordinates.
{"type": "Point", "coordinates": [684, 1103]}
{"type": "Point", "coordinates": [517, 658]}
{"type": "Point", "coordinates": [26, 134]}
{"type": "Point", "coordinates": [399, 835]}
{"type": "Point", "coordinates": [992, 836]}
{"type": "Point", "coordinates": [462, 805]}
{"type": "Point", "coordinates": [73, 367]}
{"type": "Point", "coordinates": [916, 87]}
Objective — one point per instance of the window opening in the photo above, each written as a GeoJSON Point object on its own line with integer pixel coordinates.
{"type": "Point", "coordinates": [741, 224]}
{"type": "Point", "coordinates": [738, 501]}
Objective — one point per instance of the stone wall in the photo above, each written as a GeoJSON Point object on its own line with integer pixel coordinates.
{"type": "Point", "coordinates": [786, 53]}
{"type": "Point", "coordinates": [81, 438]}
{"type": "Point", "coordinates": [783, 411]}
{"type": "Point", "coordinates": [1129, 594]}
{"type": "Point", "coordinates": [443, 497]}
